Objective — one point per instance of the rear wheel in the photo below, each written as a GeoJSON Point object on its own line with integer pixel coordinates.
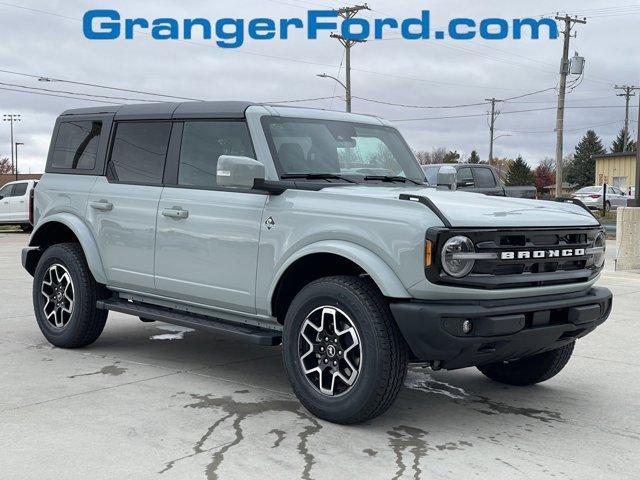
{"type": "Point", "coordinates": [529, 370]}
{"type": "Point", "coordinates": [607, 206]}
{"type": "Point", "coordinates": [64, 297]}
{"type": "Point", "coordinates": [343, 352]}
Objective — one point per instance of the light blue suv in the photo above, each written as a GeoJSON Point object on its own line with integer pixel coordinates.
{"type": "Point", "coordinates": [312, 229]}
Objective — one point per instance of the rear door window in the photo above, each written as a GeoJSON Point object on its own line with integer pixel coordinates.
{"type": "Point", "coordinates": [139, 152]}
{"type": "Point", "coordinates": [76, 145]}
{"type": "Point", "coordinates": [484, 178]}
{"type": "Point", "coordinates": [19, 189]}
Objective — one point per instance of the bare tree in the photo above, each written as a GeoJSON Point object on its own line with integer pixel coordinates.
{"type": "Point", "coordinates": [437, 155]}
{"type": "Point", "coordinates": [5, 166]}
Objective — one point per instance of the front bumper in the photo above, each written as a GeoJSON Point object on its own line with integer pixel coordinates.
{"type": "Point", "coordinates": [501, 329]}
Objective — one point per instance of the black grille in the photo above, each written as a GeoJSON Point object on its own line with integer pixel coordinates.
{"type": "Point", "coordinates": [501, 272]}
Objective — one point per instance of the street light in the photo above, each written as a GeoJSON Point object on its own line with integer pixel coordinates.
{"type": "Point", "coordinates": [11, 117]}
{"type": "Point", "coordinates": [17, 145]}
{"type": "Point", "coordinates": [347, 99]}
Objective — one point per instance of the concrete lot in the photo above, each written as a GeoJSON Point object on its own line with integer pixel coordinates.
{"type": "Point", "coordinates": [156, 401]}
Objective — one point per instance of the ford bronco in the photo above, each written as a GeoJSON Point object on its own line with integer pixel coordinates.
{"type": "Point", "coordinates": [312, 229]}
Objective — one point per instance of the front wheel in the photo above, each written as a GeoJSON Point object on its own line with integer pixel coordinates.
{"type": "Point", "coordinates": [529, 370]}
{"type": "Point", "coordinates": [343, 353]}
{"type": "Point", "coordinates": [64, 297]}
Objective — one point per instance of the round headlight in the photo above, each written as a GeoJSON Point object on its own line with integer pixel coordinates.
{"type": "Point", "coordinates": [598, 256]}
{"type": "Point", "coordinates": [453, 261]}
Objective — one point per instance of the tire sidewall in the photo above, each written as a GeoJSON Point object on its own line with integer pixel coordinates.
{"type": "Point", "coordinates": [66, 334]}
{"type": "Point", "coordinates": [346, 405]}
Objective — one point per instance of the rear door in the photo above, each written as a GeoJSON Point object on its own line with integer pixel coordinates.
{"type": "Point", "coordinates": [5, 198]}
{"type": "Point", "coordinates": [123, 205]}
{"type": "Point", "coordinates": [19, 202]}
{"type": "Point", "coordinates": [207, 236]}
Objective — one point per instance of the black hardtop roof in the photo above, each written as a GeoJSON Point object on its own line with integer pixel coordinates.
{"type": "Point", "coordinates": [168, 110]}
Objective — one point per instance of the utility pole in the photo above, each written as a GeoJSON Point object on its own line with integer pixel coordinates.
{"type": "Point", "coordinates": [492, 122]}
{"type": "Point", "coordinates": [564, 72]}
{"type": "Point", "coordinates": [628, 93]}
{"type": "Point", "coordinates": [636, 202]}
{"type": "Point", "coordinates": [17, 145]}
{"type": "Point", "coordinates": [347, 13]}
{"type": "Point", "coordinates": [11, 117]}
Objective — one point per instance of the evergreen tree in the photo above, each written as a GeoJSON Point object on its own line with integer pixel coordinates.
{"type": "Point", "coordinates": [623, 143]}
{"type": "Point", "coordinates": [451, 157]}
{"type": "Point", "coordinates": [519, 174]}
{"type": "Point", "coordinates": [474, 157]}
{"type": "Point", "coordinates": [581, 171]}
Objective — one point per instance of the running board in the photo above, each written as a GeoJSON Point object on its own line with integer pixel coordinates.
{"type": "Point", "coordinates": [251, 333]}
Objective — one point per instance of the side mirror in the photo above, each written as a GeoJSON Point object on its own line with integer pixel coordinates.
{"type": "Point", "coordinates": [238, 172]}
{"type": "Point", "coordinates": [447, 178]}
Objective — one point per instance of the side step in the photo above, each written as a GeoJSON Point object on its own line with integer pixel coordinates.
{"type": "Point", "coordinates": [251, 333]}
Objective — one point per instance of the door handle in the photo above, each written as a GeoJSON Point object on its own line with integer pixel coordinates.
{"type": "Point", "coordinates": [101, 205]}
{"type": "Point", "coordinates": [175, 212]}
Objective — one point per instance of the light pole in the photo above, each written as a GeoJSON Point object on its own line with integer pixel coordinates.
{"type": "Point", "coordinates": [17, 145]}
{"type": "Point", "coordinates": [347, 102]}
{"type": "Point", "coordinates": [11, 117]}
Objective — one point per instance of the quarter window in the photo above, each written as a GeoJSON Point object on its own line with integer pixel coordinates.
{"type": "Point", "coordinates": [139, 152]}
{"type": "Point", "coordinates": [202, 145]}
{"type": "Point", "coordinates": [76, 145]}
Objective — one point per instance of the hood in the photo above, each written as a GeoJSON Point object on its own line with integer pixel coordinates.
{"type": "Point", "coordinates": [464, 209]}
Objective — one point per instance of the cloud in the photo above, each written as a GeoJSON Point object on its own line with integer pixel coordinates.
{"type": "Point", "coordinates": [414, 72]}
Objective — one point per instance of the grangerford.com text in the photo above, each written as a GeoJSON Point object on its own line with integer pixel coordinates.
{"type": "Point", "coordinates": [232, 32]}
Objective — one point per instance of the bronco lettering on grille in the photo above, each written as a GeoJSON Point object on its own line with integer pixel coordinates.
{"type": "Point", "coordinates": [554, 253]}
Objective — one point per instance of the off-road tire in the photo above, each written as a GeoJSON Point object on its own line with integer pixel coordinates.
{"type": "Point", "coordinates": [529, 370]}
{"type": "Point", "coordinates": [383, 364]}
{"type": "Point", "coordinates": [86, 321]}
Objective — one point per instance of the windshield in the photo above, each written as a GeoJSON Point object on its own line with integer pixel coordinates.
{"type": "Point", "coordinates": [350, 150]}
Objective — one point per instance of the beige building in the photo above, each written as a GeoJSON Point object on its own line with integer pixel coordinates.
{"type": "Point", "coordinates": [616, 169]}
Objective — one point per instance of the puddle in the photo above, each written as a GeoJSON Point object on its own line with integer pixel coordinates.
{"type": "Point", "coordinates": [177, 332]}
{"type": "Point", "coordinates": [423, 381]}
{"type": "Point", "coordinates": [236, 413]}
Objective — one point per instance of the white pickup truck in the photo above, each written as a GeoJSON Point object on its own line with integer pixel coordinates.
{"type": "Point", "coordinates": [15, 198]}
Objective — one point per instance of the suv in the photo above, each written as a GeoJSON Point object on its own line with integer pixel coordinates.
{"type": "Point", "coordinates": [310, 229]}
{"type": "Point", "coordinates": [15, 204]}
{"type": "Point", "coordinates": [478, 178]}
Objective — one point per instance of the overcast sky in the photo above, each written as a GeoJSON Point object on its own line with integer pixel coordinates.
{"type": "Point", "coordinates": [395, 70]}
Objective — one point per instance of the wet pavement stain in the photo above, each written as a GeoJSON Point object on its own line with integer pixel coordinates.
{"type": "Point", "coordinates": [403, 439]}
{"type": "Point", "coordinates": [280, 436]}
{"type": "Point", "coordinates": [113, 370]}
{"type": "Point", "coordinates": [238, 412]}
{"type": "Point", "coordinates": [424, 382]}
{"type": "Point", "coordinates": [371, 452]}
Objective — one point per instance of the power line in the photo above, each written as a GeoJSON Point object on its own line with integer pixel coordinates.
{"type": "Point", "coordinates": [505, 113]}
{"type": "Point", "coordinates": [76, 93]}
{"type": "Point", "coordinates": [60, 96]}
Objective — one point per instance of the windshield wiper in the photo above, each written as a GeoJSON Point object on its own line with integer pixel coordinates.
{"type": "Point", "coordinates": [391, 178]}
{"type": "Point", "coordinates": [317, 176]}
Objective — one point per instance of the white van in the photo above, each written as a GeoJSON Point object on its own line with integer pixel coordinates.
{"type": "Point", "coordinates": [15, 199]}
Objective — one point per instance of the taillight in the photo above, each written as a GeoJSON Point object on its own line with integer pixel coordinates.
{"type": "Point", "coordinates": [595, 195]}
{"type": "Point", "coordinates": [31, 194]}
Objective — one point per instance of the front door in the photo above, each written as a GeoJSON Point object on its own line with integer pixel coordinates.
{"type": "Point", "coordinates": [207, 237]}
{"type": "Point", "coordinates": [122, 207]}
{"type": "Point", "coordinates": [5, 200]}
